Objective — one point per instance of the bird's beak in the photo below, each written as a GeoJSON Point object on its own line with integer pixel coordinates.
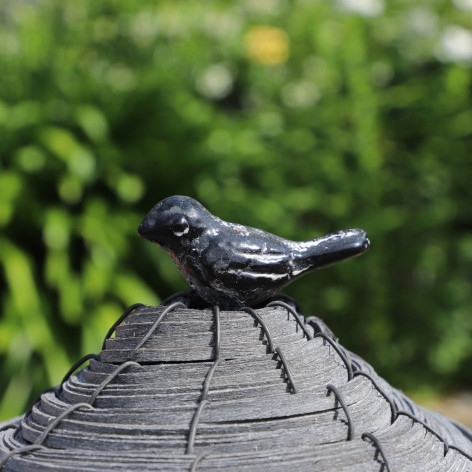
{"type": "Point", "coordinates": [338, 247]}
{"type": "Point", "coordinates": [147, 228]}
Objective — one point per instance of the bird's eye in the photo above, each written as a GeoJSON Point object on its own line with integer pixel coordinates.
{"type": "Point", "coordinates": [180, 227]}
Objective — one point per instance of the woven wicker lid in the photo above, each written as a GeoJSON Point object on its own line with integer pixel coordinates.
{"type": "Point", "coordinates": [186, 389]}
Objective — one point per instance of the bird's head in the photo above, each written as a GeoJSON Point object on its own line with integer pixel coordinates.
{"type": "Point", "coordinates": [173, 221]}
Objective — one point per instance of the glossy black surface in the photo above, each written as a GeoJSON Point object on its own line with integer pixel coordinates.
{"type": "Point", "coordinates": [234, 265]}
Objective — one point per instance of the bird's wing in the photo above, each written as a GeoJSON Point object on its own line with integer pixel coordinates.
{"type": "Point", "coordinates": [260, 254]}
{"type": "Point", "coordinates": [252, 259]}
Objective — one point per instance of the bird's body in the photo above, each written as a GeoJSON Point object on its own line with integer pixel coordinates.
{"type": "Point", "coordinates": [234, 265]}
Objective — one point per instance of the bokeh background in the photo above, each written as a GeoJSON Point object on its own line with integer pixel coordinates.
{"type": "Point", "coordinates": [299, 117]}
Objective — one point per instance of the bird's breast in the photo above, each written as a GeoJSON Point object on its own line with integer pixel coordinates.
{"type": "Point", "coordinates": [184, 266]}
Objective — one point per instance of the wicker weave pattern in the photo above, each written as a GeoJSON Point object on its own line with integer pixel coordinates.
{"type": "Point", "coordinates": [182, 389]}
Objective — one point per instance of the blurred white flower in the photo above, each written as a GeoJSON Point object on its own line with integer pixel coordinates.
{"type": "Point", "coordinates": [368, 8]}
{"type": "Point", "coordinates": [144, 27]}
{"type": "Point", "coordinates": [219, 24]}
{"type": "Point", "coordinates": [455, 45]}
{"type": "Point", "coordinates": [214, 82]}
{"type": "Point", "coordinates": [465, 5]}
{"type": "Point", "coordinates": [300, 94]}
{"type": "Point", "coordinates": [421, 21]}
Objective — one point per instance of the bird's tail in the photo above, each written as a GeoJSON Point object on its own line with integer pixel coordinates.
{"type": "Point", "coordinates": [333, 248]}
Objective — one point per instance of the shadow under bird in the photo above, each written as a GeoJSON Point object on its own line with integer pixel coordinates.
{"type": "Point", "coordinates": [234, 265]}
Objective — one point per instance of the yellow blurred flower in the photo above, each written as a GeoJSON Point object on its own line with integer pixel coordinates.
{"type": "Point", "coordinates": [267, 45]}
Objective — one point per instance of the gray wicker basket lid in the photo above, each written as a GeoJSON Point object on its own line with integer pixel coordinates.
{"type": "Point", "coordinates": [202, 389]}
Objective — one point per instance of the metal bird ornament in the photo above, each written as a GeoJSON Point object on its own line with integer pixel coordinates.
{"type": "Point", "coordinates": [234, 265]}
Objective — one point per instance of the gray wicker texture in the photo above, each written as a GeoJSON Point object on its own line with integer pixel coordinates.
{"type": "Point", "coordinates": [179, 389]}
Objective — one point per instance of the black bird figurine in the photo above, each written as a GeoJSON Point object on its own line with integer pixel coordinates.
{"type": "Point", "coordinates": [234, 265]}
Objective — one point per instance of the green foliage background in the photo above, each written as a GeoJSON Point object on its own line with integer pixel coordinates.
{"type": "Point", "coordinates": [299, 117]}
